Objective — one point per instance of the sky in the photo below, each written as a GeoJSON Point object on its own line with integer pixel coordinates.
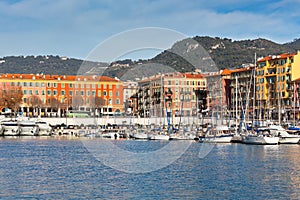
{"type": "Point", "coordinates": [74, 28]}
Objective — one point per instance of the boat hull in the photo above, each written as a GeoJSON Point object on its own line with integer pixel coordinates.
{"type": "Point", "coordinates": [263, 140]}
{"type": "Point", "coordinates": [159, 137]}
{"type": "Point", "coordinates": [289, 140]}
{"type": "Point", "coordinates": [216, 139]}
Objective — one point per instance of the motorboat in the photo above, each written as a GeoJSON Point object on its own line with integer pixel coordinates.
{"type": "Point", "coordinates": [284, 136]}
{"type": "Point", "coordinates": [261, 136]}
{"type": "Point", "coordinates": [139, 134]}
{"type": "Point", "coordinates": [218, 134]}
{"type": "Point", "coordinates": [44, 128]}
{"type": "Point", "coordinates": [159, 137]}
{"type": "Point", "coordinates": [10, 128]}
{"type": "Point", "coordinates": [28, 128]}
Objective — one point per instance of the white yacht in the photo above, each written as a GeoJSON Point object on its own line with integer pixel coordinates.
{"type": "Point", "coordinates": [10, 128]}
{"type": "Point", "coordinates": [44, 128]}
{"type": "Point", "coordinates": [28, 128]}
{"type": "Point", "coordinates": [159, 137]}
{"type": "Point", "coordinates": [139, 134]}
{"type": "Point", "coordinates": [262, 136]}
{"type": "Point", "coordinates": [284, 136]}
{"type": "Point", "coordinates": [218, 134]}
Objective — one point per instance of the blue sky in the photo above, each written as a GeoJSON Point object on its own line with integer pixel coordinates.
{"type": "Point", "coordinates": [73, 28]}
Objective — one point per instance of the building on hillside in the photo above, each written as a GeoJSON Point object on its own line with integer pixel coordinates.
{"type": "Point", "coordinates": [46, 95]}
{"type": "Point", "coordinates": [275, 87]}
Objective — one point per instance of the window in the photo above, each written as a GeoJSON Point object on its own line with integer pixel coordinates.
{"type": "Point", "coordinates": [99, 93]}
{"type": "Point", "coordinates": [62, 85]}
{"type": "Point", "coordinates": [88, 93]}
{"type": "Point", "coordinates": [42, 84]}
{"type": "Point", "coordinates": [82, 93]}
{"type": "Point", "coordinates": [54, 84]}
{"type": "Point", "coordinates": [93, 86]}
{"type": "Point", "coordinates": [36, 92]}
{"type": "Point", "coordinates": [94, 93]}
{"type": "Point", "coordinates": [62, 92]}
{"type": "Point", "coordinates": [30, 92]}
{"type": "Point", "coordinates": [25, 92]}
{"type": "Point", "coordinates": [104, 86]}
{"type": "Point", "coordinates": [117, 101]}
{"type": "Point", "coordinates": [25, 84]}
{"type": "Point", "coordinates": [110, 86]}
{"type": "Point", "coordinates": [30, 84]}
{"type": "Point", "coordinates": [104, 93]}
{"type": "Point", "coordinates": [37, 84]}
{"type": "Point", "coordinates": [54, 92]}
{"type": "Point", "coordinates": [70, 85]}
{"type": "Point", "coordinates": [70, 93]}
{"type": "Point", "coordinates": [109, 101]}
{"type": "Point", "coordinates": [110, 93]}
{"type": "Point", "coordinates": [43, 92]}
{"type": "Point", "coordinates": [117, 86]}
{"type": "Point", "coordinates": [49, 84]}
{"type": "Point", "coordinates": [49, 92]}
{"type": "Point", "coordinates": [117, 93]}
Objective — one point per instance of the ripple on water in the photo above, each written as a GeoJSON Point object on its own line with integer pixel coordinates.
{"type": "Point", "coordinates": [64, 169]}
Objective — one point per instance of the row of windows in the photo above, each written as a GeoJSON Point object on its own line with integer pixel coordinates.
{"type": "Point", "coordinates": [42, 84]}
{"type": "Point", "coordinates": [31, 100]}
{"type": "Point", "coordinates": [272, 71]}
{"type": "Point", "coordinates": [258, 87]}
{"type": "Point", "coordinates": [177, 82]}
{"type": "Point", "coordinates": [55, 92]}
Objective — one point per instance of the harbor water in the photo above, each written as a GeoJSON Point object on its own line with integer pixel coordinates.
{"type": "Point", "coordinates": [60, 168]}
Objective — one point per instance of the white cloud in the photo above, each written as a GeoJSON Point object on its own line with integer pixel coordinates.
{"type": "Point", "coordinates": [59, 26]}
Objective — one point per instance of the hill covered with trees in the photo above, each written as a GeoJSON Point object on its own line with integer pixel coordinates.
{"type": "Point", "coordinates": [186, 55]}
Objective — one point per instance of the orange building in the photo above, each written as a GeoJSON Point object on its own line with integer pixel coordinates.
{"type": "Point", "coordinates": [45, 95]}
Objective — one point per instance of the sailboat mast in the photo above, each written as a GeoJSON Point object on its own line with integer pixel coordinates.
{"type": "Point", "coordinates": [254, 89]}
{"type": "Point", "coordinates": [236, 100]}
{"type": "Point", "coordinates": [294, 123]}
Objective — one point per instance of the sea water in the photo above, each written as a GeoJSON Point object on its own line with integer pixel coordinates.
{"type": "Point", "coordinates": [60, 168]}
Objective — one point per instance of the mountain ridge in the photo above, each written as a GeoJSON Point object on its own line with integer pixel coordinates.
{"type": "Point", "coordinates": [187, 55]}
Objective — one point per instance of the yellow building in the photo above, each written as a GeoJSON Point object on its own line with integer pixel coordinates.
{"type": "Point", "coordinates": [274, 85]}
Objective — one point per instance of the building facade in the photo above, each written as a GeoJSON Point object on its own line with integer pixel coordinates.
{"type": "Point", "coordinates": [171, 94]}
{"type": "Point", "coordinates": [275, 86]}
{"type": "Point", "coordinates": [47, 95]}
